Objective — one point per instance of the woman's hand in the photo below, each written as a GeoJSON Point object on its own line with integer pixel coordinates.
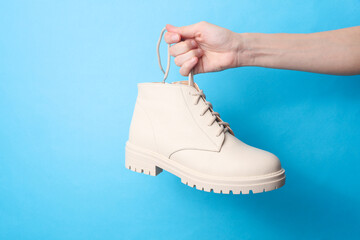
{"type": "Point", "coordinates": [203, 47]}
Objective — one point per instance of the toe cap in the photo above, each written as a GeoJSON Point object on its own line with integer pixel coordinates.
{"type": "Point", "coordinates": [235, 159]}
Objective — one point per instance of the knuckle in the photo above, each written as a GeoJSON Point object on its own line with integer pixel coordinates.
{"type": "Point", "coordinates": [189, 43]}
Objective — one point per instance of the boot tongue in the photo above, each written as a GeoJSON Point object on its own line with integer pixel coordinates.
{"type": "Point", "coordinates": [187, 83]}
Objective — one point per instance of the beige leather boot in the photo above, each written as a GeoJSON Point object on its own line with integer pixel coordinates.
{"type": "Point", "coordinates": [175, 129]}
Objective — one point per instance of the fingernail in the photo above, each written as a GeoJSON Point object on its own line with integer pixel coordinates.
{"type": "Point", "coordinates": [175, 37]}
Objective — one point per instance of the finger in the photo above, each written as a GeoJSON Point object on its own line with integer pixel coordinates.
{"type": "Point", "coordinates": [171, 38]}
{"type": "Point", "coordinates": [188, 65]}
{"type": "Point", "coordinates": [182, 47]}
{"type": "Point", "coordinates": [181, 59]}
{"type": "Point", "coordinates": [185, 31]}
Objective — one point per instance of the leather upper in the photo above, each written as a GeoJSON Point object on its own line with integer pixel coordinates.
{"type": "Point", "coordinates": [167, 120]}
{"type": "Point", "coordinates": [170, 121]}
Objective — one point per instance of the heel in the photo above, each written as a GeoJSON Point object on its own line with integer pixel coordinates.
{"type": "Point", "coordinates": [139, 162]}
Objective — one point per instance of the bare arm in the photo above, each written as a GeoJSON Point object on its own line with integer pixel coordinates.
{"type": "Point", "coordinates": [205, 47]}
{"type": "Point", "coordinates": [333, 52]}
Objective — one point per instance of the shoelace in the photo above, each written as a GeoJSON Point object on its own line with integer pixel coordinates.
{"type": "Point", "coordinates": [224, 126]}
{"type": "Point", "coordinates": [191, 75]}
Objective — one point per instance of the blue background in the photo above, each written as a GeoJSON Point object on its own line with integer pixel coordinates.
{"type": "Point", "coordinates": [68, 75]}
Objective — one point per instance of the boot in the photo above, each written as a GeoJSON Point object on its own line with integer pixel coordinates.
{"type": "Point", "coordinates": [175, 129]}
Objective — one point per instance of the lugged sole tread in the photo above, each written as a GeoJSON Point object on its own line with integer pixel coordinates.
{"type": "Point", "coordinates": [204, 189]}
{"type": "Point", "coordinates": [142, 162]}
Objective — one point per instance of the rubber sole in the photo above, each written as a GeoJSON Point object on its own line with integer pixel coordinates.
{"type": "Point", "coordinates": [143, 161]}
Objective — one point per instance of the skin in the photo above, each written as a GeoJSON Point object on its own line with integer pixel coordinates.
{"type": "Point", "coordinates": [205, 47]}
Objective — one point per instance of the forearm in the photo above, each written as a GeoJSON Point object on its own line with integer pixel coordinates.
{"type": "Point", "coordinates": [333, 52]}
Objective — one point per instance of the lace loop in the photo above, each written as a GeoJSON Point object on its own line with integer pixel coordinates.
{"type": "Point", "coordinates": [166, 72]}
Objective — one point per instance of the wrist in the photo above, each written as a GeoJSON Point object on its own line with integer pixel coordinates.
{"type": "Point", "coordinates": [244, 52]}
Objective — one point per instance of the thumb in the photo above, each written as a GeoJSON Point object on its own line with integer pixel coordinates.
{"type": "Point", "coordinates": [185, 31]}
